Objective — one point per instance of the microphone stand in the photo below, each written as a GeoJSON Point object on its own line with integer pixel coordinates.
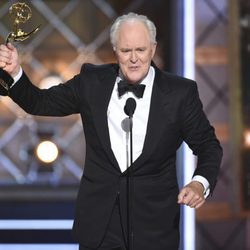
{"type": "Point", "coordinates": [129, 110]}
{"type": "Point", "coordinates": [130, 190]}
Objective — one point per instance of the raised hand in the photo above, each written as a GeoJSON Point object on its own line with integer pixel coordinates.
{"type": "Point", "coordinates": [9, 60]}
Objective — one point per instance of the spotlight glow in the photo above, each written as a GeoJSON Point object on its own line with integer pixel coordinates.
{"type": "Point", "coordinates": [247, 138]}
{"type": "Point", "coordinates": [47, 151]}
{"type": "Point", "coordinates": [189, 160]}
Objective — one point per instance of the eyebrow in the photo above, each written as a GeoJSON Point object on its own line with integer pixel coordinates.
{"type": "Point", "coordinates": [137, 48]}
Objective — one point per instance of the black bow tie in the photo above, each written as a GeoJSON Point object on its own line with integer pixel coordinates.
{"type": "Point", "coordinates": [124, 87]}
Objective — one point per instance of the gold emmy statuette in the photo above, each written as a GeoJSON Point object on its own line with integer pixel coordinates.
{"type": "Point", "coordinates": [20, 13]}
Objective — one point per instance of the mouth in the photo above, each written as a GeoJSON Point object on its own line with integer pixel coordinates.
{"type": "Point", "coordinates": [134, 68]}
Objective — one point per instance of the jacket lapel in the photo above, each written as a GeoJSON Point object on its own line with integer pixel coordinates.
{"type": "Point", "coordinates": [159, 108]}
{"type": "Point", "coordinates": [101, 98]}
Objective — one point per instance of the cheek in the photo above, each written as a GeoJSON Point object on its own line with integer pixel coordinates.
{"type": "Point", "coordinates": [146, 58]}
{"type": "Point", "coordinates": [146, 62]}
{"type": "Point", "coordinates": [122, 58]}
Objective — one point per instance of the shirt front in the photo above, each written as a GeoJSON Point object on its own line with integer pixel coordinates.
{"type": "Point", "coordinates": [118, 121]}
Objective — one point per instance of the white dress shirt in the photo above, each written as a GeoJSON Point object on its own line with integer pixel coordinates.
{"type": "Point", "coordinates": [118, 137]}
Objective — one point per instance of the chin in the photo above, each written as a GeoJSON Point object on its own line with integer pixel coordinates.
{"type": "Point", "coordinates": [132, 81]}
{"type": "Point", "coordinates": [135, 79]}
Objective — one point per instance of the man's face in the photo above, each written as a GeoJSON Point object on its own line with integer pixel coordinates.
{"type": "Point", "coordinates": [134, 51]}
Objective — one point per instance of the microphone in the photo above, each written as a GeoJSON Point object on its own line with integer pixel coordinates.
{"type": "Point", "coordinates": [125, 124]}
{"type": "Point", "coordinates": [130, 106]}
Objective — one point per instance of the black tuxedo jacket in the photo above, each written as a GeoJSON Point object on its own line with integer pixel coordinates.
{"type": "Point", "coordinates": [175, 116]}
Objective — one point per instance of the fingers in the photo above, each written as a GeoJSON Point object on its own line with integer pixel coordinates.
{"type": "Point", "coordinates": [9, 60]}
{"type": "Point", "coordinates": [11, 47]}
{"type": "Point", "coordinates": [4, 48]}
{"type": "Point", "coordinates": [5, 56]}
{"type": "Point", "coordinates": [198, 205]}
{"type": "Point", "coordinates": [191, 196]}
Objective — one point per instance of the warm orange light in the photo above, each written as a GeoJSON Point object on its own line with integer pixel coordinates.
{"type": "Point", "coordinates": [47, 151]}
{"type": "Point", "coordinates": [247, 138]}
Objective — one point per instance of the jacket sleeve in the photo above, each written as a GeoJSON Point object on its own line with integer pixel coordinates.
{"type": "Point", "coordinates": [200, 137]}
{"type": "Point", "coordinates": [59, 100]}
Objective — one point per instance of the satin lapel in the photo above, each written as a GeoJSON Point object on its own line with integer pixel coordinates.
{"type": "Point", "coordinates": [159, 110]}
{"type": "Point", "coordinates": [101, 98]}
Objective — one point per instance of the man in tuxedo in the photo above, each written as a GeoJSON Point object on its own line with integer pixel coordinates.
{"type": "Point", "coordinates": [168, 112]}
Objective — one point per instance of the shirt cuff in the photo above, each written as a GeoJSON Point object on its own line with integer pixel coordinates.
{"type": "Point", "coordinates": [204, 183]}
{"type": "Point", "coordinates": [18, 76]}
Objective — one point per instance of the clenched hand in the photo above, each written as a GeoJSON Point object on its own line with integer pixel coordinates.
{"type": "Point", "coordinates": [192, 195]}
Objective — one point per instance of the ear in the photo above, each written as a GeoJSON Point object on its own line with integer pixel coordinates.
{"type": "Point", "coordinates": [153, 48]}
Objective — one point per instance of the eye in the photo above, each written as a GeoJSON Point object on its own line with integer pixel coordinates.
{"type": "Point", "coordinates": [125, 50]}
{"type": "Point", "coordinates": [141, 49]}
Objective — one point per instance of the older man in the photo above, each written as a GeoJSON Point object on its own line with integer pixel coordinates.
{"type": "Point", "coordinates": [168, 112]}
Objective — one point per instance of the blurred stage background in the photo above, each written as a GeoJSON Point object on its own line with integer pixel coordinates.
{"type": "Point", "coordinates": [37, 199]}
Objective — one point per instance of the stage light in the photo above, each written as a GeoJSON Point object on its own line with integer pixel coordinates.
{"type": "Point", "coordinates": [50, 81]}
{"type": "Point", "coordinates": [47, 152]}
{"type": "Point", "coordinates": [247, 138]}
{"type": "Point", "coordinates": [189, 160]}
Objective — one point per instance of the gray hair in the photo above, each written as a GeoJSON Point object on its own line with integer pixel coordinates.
{"type": "Point", "coordinates": [130, 17]}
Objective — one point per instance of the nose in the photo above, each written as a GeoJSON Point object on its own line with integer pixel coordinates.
{"type": "Point", "coordinates": [133, 57]}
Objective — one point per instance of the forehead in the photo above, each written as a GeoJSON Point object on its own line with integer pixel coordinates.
{"type": "Point", "coordinates": [133, 33]}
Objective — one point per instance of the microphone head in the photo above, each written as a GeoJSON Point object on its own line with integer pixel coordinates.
{"type": "Point", "coordinates": [130, 106]}
{"type": "Point", "coordinates": [125, 124]}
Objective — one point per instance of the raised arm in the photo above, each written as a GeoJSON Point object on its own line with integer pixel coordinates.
{"type": "Point", "coordinates": [59, 100]}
